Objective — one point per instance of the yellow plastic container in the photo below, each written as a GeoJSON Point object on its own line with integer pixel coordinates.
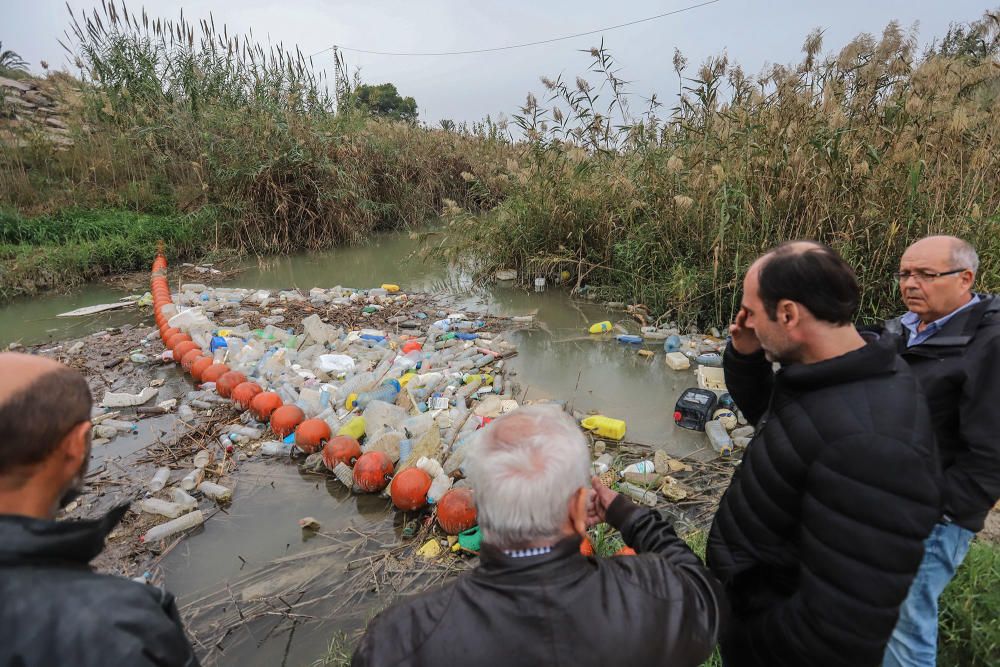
{"type": "Point", "coordinates": [390, 288]}
{"type": "Point", "coordinates": [600, 327]}
{"type": "Point", "coordinates": [354, 428]}
{"type": "Point", "coordinates": [405, 380]}
{"type": "Point", "coordinates": [605, 427]}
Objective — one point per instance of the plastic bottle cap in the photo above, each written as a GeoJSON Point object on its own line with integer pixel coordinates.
{"type": "Point", "coordinates": [677, 416]}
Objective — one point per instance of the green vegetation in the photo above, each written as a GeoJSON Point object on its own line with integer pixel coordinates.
{"type": "Point", "coordinates": [384, 101]}
{"type": "Point", "coordinates": [969, 630]}
{"type": "Point", "coordinates": [11, 63]}
{"type": "Point", "coordinates": [866, 150]}
{"type": "Point", "coordinates": [73, 246]}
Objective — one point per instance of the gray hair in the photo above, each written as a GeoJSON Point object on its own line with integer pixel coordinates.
{"type": "Point", "coordinates": [963, 255]}
{"type": "Point", "coordinates": [525, 467]}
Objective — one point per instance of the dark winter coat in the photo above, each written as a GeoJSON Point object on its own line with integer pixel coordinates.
{"type": "Point", "coordinates": [959, 370]}
{"type": "Point", "coordinates": [821, 530]}
{"type": "Point", "coordinates": [661, 607]}
{"type": "Point", "coordinates": [55, 611]}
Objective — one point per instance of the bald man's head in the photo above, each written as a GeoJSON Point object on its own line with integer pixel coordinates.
{"type": "Point", "coordinates": [936, 276]}
{"type": "Point", "coordinates": [41, 401]}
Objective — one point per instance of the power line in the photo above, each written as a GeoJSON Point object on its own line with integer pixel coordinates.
{"type": "Point", "coordinates": [516, 46]}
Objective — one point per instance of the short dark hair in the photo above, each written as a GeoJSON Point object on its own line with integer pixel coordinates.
{"type": "Point", "coordinates": [34, 420]}
{"type": "Point", "coordinates": [813, 275]}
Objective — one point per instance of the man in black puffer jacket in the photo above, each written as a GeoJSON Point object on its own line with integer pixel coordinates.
{"type": "Point", "coordinates": [821, 531]}
{"type": "Point", "coordinates": [53, 609]}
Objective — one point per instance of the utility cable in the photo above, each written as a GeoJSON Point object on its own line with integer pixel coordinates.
{"type": "Point", "coordinates": [517, 46]}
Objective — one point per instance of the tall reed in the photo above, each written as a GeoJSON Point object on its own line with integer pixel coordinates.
{"type": "Point", "coordinates": [866, 149]}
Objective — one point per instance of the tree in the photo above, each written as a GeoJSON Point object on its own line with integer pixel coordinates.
{"type": "Point", "coordinates": [384, 101]}
{"type": "Point", "coordinates": [11, 60]}
{"type": "Point", "coordinates": [978, 40]}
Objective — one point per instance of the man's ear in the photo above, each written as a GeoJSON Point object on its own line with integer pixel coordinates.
{"type": "Point", "coordinates": [788, 313]}
{"type": "Point", "coordinates": [578, 511]}
{"type": "Point", "coordinates": [75, 447]}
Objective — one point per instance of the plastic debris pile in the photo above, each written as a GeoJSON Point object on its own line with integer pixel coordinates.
{"type": "Point", "coordinates": [708, 407]}
{"type": "Point", "coordinates": [388, 410]}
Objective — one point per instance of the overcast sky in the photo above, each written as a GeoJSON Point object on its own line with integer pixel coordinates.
{"type": "Point", "coordinates": [468, 87]}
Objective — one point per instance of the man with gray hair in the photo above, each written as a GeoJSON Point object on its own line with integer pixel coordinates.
{"type": "Point", "coordinates": [535, 599]}
{"type": "Point", "coordinates": [950, 337]}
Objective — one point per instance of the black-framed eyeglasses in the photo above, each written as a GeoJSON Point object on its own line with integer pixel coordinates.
{"type": "Point", "coordinates": [924, 276]}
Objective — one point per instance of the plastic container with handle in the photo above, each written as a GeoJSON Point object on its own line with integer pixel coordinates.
{"type": "Point", "coordinates": [605, 427]}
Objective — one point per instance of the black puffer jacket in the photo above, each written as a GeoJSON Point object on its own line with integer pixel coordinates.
{"type": "Point", "coordinates": [661, 607]}
{"type": "Point", "coordinates": [55, 611]}
{"type": "Point", "coordinates": [959, 371]}
{"type": "Point", "coordinates": [821, 531]}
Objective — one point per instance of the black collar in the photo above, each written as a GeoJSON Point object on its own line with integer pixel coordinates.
{"type": "Point", "coordinates": [874, 359]}
{"type": "Point", "coordinates": [565, 559]}
{"type": "Point", "coordinates": [24, 540]}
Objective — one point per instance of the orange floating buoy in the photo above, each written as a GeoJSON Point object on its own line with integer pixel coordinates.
{"type": "Point", "coordinates": [199, 366]}
{"type": "Point", "coordinates": [625, 551]}
{"type": "Point", "coordinates": [244, 393]}
{"type": "Point", "coordinates": [177, 339]}
{"type": "Point", "coordinates": [586, 548]}
{"type": "Point", "coordinates": [285, 419]}
{"type": "Point", "coordinates": [409, 489]}
{"type": "Point", "coordinates": [167, 332]}
{"type": "Point", "coordinates": [263, 404]}
{"type": "Point", "coordinates": [228, 381]}
{"type": "Point", "coordinates": [214, 372]}
{"type": "Point", "coordinates": [456, 511]}
{"type": "Point", "coordinates": [341, 449]}
{"type": "Point", "coordinates": [311, 434]}
{"type": "Point", "coordinates": [372, 471]}
{"type": "Point", "coordinates": [189, 358]}
{"type": "Point", "coordinates": [183, 347]}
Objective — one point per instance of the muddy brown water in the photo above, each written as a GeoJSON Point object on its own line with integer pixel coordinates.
{"type": "Point", "coordinates": [238, 549]}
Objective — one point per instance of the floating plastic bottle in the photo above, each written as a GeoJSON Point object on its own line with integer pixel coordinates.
{"type": "Point", "coordinates": [344, 473]}
{"type": "Point", "coordinates": [387, 393]}
{"type": "Point", "coordinates": [640, 467]}
{"type": "Point", "coordinates": [165, 530]}
{"type": "Point", "coordinates": [159, 479]}
{"type": "Point", "coordinates": [275, 448]}
{"type": "Point", "coordinates": [710, 359]}
{"type": "Point", "coordinates": [638, 494]}
{"type": "Point", "coordinates": [600, 327]}
{"type": "Point", "coordinates": [216, 492]}
{"type": "Point", "coordinates": [203, 459]}
{"type": "Point", "coordinates": [191, 480]}
{"type": "Point", "coordinates": [182, 498]}
{"type": "Point", "coordinates": [161, 507]}
{"type": "Point", "coordinates": [719, 437]}
{"type": "Point", "coordinates": [672, 343]}
{"type": "Point", "coordinates": [439, 486]}
{"type": "Point", "coordinates": [354, 428]}
{"type": "Point", "coordinates": [629, 339]}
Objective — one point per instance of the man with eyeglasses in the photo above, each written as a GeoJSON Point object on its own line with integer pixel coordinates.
{"type": "Point", "coordinates": [950, 337]}
{"type": "Point", "coordinates": [53, 609]}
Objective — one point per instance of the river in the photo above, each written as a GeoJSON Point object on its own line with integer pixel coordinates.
{"type": "Point", "coordinates": [556, 360]}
